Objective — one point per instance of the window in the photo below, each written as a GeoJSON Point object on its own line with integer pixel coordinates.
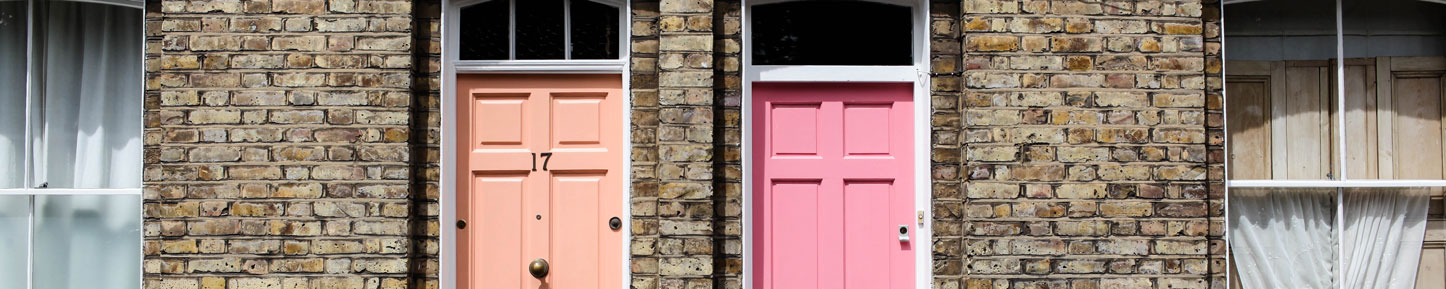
{"type": "Point", "coordinates": [832, 33]}
{"type": "Point", "coordinates": [1337, 156]}
{"type": "Point", "coordinates": [540, 30]}
{"type": "Point", "coordinates": [70, 144]}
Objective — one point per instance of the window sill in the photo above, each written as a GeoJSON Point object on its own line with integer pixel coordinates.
{"type": "Point", "coordinates": [1334, 183]}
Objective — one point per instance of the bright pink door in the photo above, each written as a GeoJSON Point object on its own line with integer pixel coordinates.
{"type": "Point", "coordinates": [832, 185]}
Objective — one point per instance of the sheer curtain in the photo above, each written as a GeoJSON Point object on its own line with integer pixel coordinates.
{"type": "Point", "coordinates": [91, 128]}
{"type": "Point", "coordinates": [12, 93]}
{"type": "Point", "coordinates": [1384, 229]}
{"type": "Point", "coordinates": [1284, 238]}
{"type": "Point", "coordinates": [86, 127]}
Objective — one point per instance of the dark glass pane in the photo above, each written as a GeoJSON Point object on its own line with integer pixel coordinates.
{"type": "Point", "coordinates": [1393, 28]}
{"type": "Point", "coordinates": [832, 33]}
{"type": "Point", "coordinates": [594, 30]}
{"type": "Point", "coordinates": [484, 31]}
{"type": "Point", "coordinates": [1278, 30]}
{"type": "Point", "coordinates": [540, 30]}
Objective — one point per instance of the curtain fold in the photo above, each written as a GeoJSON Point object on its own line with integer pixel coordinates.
{"type": "Point", "coordinates": [92, 96]}
{"type": "Point", "coordinates": [1284, 238]}
{"type": "Point", "coordinates": [12, 93]}
{"type": "Point", "coordinates": [1384, 229]}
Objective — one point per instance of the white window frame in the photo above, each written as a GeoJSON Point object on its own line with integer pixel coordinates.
{"type": "Point", "coordinates": [452, 66]}
{"type": "Point", "coordinates": [917, 73]}
{"type": "Point", "coordinates": [29, 189]}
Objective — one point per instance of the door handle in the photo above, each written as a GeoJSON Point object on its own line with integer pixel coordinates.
{"type": "Point", "coordinates": [538, 268]}
{"type": "Point", "coordinates": [903, 233]}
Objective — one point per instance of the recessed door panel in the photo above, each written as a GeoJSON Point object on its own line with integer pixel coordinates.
{"type": "Point", "coordinates": [795, 131]}
{"type": "Point", "coordinates": [577, 118]}
{"type": "Point", "coordinates": [498, 203]}
{"type": "Point", "coordinates": [539, 162]}
{"type": "Point", "coordinates": [832, 184]}
{"type": "Point", "coordinates": [499, 118]}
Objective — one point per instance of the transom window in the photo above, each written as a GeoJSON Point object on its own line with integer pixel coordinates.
{"type": "Point", "coordinates": [70, 143]}
{"type": "Point", "coordinates": [823, 32]}
{"type": "Point", "coordinates": [540, 29]}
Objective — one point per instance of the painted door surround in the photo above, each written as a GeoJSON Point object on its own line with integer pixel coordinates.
{"type": "Point", "coordinates": [540, 175]}
{"type": "Point", "coordinates": [834, 195]}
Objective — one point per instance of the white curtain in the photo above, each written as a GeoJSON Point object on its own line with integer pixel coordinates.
{"type": "Point", "coordinates": [1284, 238]}
{"type": "Point", "coordinates": [1384, 229]}
{"type": "Point", "coordinates": [91, 133]}
{"type": "Point", "coordinates": [12, 93]}
{"type": "Point", "coordinates": [86, 133]}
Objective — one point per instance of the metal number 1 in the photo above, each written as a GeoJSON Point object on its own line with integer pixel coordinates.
{"type": "Point", "coordinates": [534, 162]}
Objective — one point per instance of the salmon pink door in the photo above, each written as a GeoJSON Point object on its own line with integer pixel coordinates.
{"type": "Point", "coordinates": [833, 196]}
{"type": "Point", "coordinates": [539, 180]}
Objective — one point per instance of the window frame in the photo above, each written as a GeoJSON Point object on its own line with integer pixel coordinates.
{"type": "Point", "coordinates": [1340, 183]}
{"type": "Point", "coordinates": [28, 188]}
{"type": "Point", "coordinates": [1341, 152]}
{"type": "Point", "coordinates": [451, 18]}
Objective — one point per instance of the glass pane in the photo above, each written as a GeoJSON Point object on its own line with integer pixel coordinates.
{"type": "Point", "coordinates": [91, 122]}
{"type": "Point", "coordinates": [1283, 238]}
{"type": "Point", "coordinates": [14, 235]}
{"type": "Point", "coordinates": [594, 30]}
{"type": "Point", "coordinates": [540, 30]}
{"type": "Point", "coordinates": [1395, 63]}
{"type": "Point", "coordinates": [12, 94]}
{"type": "Point", "coordinates": [97, 235]}
{"type": "Point", "coordinates": [1280, 89]}
{"type": "Point", "coordinates": [484, 31]}
{"type": "Point", "coordinates": [828, 33]}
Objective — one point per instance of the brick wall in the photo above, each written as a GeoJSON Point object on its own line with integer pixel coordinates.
{"type": "Point", "coordinates": [1083, 145]}
{"type": "Point", "coordinates": [1215, 139]}
{"type": "Point", "coordinates": [673, 195]}
{"type": "Point", "coordinates": [276, 143]}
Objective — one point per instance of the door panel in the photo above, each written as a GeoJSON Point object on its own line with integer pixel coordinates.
{"type": "Point", "coordinates": [1249, 126]}
{"type": "Point", "coordinates": [543, 155]}
{"type": "Point", "coordinates": [1412, 127]}
{"type": "Point", "coordinates": [498, 204]}
{"type": "Point", "coordinates": [832, 184]}
{"type": "Point", "coordinates": [1307, 117]}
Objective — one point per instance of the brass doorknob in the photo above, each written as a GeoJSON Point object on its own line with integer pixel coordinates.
{"type": "Point", "coordinates": [538, 268]}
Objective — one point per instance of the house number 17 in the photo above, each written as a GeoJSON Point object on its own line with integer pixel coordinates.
{"type": "Point", "coordinates": [545, 158]}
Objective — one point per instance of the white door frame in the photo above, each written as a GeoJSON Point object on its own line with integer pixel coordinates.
{"type": "Point", "coordinates": [451, 66]}
{"type": "Point", "coordinates": [923, 109]}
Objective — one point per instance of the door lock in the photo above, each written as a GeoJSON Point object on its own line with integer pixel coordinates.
{"type": "Point", "coordinates": [461, 224]}
{"type": "Point", "coordinates": [903, 233]}
{"type": "Point", "coordinates": [615, 223]}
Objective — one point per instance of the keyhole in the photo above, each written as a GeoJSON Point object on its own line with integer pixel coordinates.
{"type": "Point", "coordinates": [539, 217]}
